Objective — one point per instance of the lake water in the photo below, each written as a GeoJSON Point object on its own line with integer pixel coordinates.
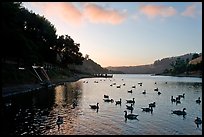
{"type": "Point", "coordinates": [36, 113]}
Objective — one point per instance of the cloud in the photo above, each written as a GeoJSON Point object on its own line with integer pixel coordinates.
{"type": "Point", "coordinates": [63, 11]}
{"type": "Point", "coordinates": [97, 14]}
{"type": "Point", "coordinates": [69, 13]}
{"type": "Point", "coordinates": [155, 10]}
{"type": "Point", "coordinates": [190, 11]}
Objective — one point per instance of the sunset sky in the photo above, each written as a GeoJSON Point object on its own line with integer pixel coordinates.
{"type": "Point", "coordinates": [127, 33]}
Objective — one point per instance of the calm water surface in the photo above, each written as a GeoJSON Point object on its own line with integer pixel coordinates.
{"type": "Point", "coordinates": [36, 113]}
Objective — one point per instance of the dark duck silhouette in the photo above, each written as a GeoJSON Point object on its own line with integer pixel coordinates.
{"type": "Point", "coordinates": [152, 104]}
{"type": "Point", "coordinates": [198, 121]}
{"type": "Point", "coordinates": [105, 96]}
{"type": "Point", "coordinates": [173, 99]}
{"type": "Point", "coordinates": [130, 116]}
{"type": "Point", "coordinates": [118, 102]}
{"type": "Point", "coordinates": [131, 101]}
{"type": "Point", "coordinates": [94, 106]}
{"type": "Point", "coordinates": [148, 109]}
{"type": "Point", "coordinates": [198, 100]}
{"type": "Point", "coordinates": [108, 100]}
{"type": "Point", "coordinates": [129, 91]}
{"type": "Point", "coordinates": [179, 112]}
{"type": "Point", "coordinates": [178, 100]}
{"type": "Point", "coordinates": [144, 92]}
{"type": "Point", "coordinates": [156, 89]}
{"type": "Point", "coordinates": [59, 121]}
{"type": "Point", "coordinates": [129, 107]}
{"type": "Point", "coordinates": [182, 96]}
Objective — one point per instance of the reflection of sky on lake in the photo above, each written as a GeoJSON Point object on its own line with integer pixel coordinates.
{"type": "Point", "coordinates": [36, 113]}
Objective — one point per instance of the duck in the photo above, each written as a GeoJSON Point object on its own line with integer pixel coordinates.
{"type": "Point", "coordinates": [133, 86]}
{"type": "Point", "coordinates": [149, 109]}
{"type": "Point", "coordinates": [140, 83]}
{"type": "Point", "coordinates": [108, 100]}
{"type": "Point", "coordinates": [94, 106]}
{"type": "Point", "coordinates": [118, 102]}
{"type": "Point", "coordinates": [105, 96]}
{"type": "Point", "coordinates": [129, 107]}
{"type": "Point", "coordinates": [152, 104]}
{"type": "Point", "coordinates": [59, 120]}
{"type": "Point", "coordinates": [118, 86]}
{"type": "Point", "coordinates": [74, 103]}
{"type": "Point", "coordinates": [159, 93]}
{"type": "Point", "coordinates": [198, 100]}
{"type": "Point", "coordinates": [129, 91]}
{"type": "Point", "coordinates": [156, 89]}
{"type": "Point", "coordinates": [178, 100]}
{"type": "Point", "coordinates": [198, 120]}
{"type": "Point", "coordinates": [179, 112]}
{"type": "Point", "coordinates": [173, 99]}
{"type": "Point", "coordinates": [130, 116]}
{"type": "Point", "coordinates": [131, 101]}
{"type": "Point", "coordinates": [144, 92]}
{"type": "Point", "coordinates": [181, 96]}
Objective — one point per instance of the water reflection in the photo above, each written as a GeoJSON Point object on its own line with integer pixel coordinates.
{"type": "Point", "coordinates": [37, 113]}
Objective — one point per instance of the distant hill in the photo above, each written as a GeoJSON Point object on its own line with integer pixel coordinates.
{"type": "Point", "coordinates": [196, 60]}
{"type": "Point", "coordinates": [89, 67]}
{"type": "Point", "coordinates": [157, 67]}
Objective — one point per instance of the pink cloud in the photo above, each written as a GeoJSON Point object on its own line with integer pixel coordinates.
{"type": "Point", "coordinates": [190, 11]}
{"type": "Point", "coordinates": [153, 10]}
{"type": "Point", "coordinates": [63, 11]}
{"type": "Point", "coordinates": [97, 14]}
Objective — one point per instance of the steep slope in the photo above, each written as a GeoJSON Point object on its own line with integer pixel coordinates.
{"type": "Point", "coordinates": [89, 67]}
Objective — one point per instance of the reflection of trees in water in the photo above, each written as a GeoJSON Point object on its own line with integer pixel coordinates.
{"type": "Point", "coordinates": [191, 85]}
{"type": "Point", "coordinates": [36, 112]}
{"type": "Point", "coordinates": [28, 112]}
{"type": "Point", "coordinates": [196, 85]}
{"type": "Point", "coordinates": [68, 94]}
{"type": "Point", "coordinates": [64, 97]}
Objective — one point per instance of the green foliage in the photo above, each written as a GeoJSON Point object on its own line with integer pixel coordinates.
{"type": "Point", "coordinates": [196, 55]}
{"type": "Point", "coordinates": [194, 67]}
{"type": "Point", "coordinates": [179, 66]}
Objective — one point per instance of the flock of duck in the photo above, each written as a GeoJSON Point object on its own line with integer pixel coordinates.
{"type": "Point", "coordinates": [130, 107]}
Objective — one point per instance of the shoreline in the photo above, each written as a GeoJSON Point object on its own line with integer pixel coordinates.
{"type": "Point", "coordinates": [25, 88]}
{"type": "Point", "coordinates": [180, 75]}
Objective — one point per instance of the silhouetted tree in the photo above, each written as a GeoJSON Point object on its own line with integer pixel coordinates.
{"type": "Point", "coordinates": [196, 55]}
{"type": "Point", "coordinates": [179, 66]}
{"type": "Point", "coordinates": [31, 38]}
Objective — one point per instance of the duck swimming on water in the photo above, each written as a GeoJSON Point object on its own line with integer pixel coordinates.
{"type": "Point", "coordinates": [59, 121]}
{"type": "Point", "coordinates": [94, 106]}
{"type": "Point", "coordinates": [179, 112]}
{"type": "Point", "coordinates": [130, 116]}
{"type": "Point", "coordinates": [129, 107]}
{"type": "Point", "coordinates": [131, 101]}
{"type": "Point", "coordinates": [118, 102]}
{"type": "Point", "coordinates": [198, 100]}
{"type": "Point", "coordinates": [198, 121]}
